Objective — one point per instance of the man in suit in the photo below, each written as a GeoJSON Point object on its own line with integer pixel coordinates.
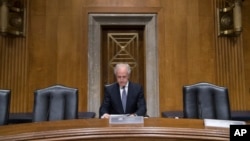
{"type": "Point", "coordinates": [134, 104]}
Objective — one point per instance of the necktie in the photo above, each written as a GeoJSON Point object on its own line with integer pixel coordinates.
{"type": "Point", "coordinates": [124, 99]}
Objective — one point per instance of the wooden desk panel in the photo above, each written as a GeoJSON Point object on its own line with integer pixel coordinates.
{"type": "Point", "coordinates": [156, 129]}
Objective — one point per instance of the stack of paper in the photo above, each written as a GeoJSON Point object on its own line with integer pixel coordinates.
{"type": "Point", "coordinates": [222, 123]}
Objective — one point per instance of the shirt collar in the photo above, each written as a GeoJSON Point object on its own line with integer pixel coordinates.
{"type": "Point", "coordinates": [126, 86]}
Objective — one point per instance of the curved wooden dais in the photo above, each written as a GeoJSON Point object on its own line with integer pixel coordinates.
{"type": "Point", "coordinates": [100, 129]}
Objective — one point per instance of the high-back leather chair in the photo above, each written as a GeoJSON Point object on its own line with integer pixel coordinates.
{"type": "Point", "coordinates": [4, 106]}
{"type": "Point", "coordinates": [205, 100]}
{"type": "Point", "coordinates": [55, 103]}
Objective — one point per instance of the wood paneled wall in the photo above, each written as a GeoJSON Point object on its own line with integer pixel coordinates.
{"type": "Point", "coordinates": [230, 67]}
{"type": "Point", "coordinates": [13, 70]}
{"type": "Point", "coordinates": [54, 50]}
{"type": "Point", "coordinates": [245, 43]}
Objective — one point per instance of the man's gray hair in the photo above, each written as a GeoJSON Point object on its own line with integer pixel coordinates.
{"type": "Point", "coordinates": [119, 65]}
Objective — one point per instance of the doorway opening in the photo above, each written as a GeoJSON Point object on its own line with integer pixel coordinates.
{"type": "Point", "coordinates": [146, 25]}
{"type": "Point", "coordinates": [122, 44]}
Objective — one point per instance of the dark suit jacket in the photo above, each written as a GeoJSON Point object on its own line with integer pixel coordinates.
{"type": "Point", "coordinates": [112, 103]}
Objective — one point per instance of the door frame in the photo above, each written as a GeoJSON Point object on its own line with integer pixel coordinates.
{"type": "Point", "coordinates": [151, 58]}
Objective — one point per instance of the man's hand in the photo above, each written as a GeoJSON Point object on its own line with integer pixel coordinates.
{"type": "Point", "coordinates": [132, 115]}
{"type": "Point", "coordinates": [105, 115]}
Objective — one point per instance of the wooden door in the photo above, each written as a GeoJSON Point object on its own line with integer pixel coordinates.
{"type": "Point", "coordinates": [122, 44]}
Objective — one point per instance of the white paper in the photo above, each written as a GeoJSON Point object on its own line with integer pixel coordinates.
{"type": "Point", "coordinates": [222, 123]}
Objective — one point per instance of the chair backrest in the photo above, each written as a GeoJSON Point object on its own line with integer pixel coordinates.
{"type": "Point", "coordinates": [4, 106]}
{"type": "Point", "coordinates": [55, 103]}
{"type": "Point", "coordinates": [205, 100]}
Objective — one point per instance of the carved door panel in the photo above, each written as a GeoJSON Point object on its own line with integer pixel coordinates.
{"type": "Point", "coordinates": [122, 44]}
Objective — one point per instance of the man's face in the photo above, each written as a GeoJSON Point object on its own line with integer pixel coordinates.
{"type": "Point", "coordinates": [122, 76]}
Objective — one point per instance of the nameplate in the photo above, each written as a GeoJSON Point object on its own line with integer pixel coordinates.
{"type": "Point", "coordinates": [222, 123]}
{"type": "Point", "coordinates": [124, 119]}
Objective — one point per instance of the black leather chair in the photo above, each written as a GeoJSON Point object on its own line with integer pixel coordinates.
{"type": "Point", "coordinates": [4, 106]}
{"type": "Point", "coordinates": [172, 114]}
{"type": "Point", "coordinates": [205, 100]}
{"type": "Point", "coordinates": [86, 115]}
{"type": "Point", "coordinates": [55, 103]}
{"type": "Point", "coordinates": [16, 118]}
